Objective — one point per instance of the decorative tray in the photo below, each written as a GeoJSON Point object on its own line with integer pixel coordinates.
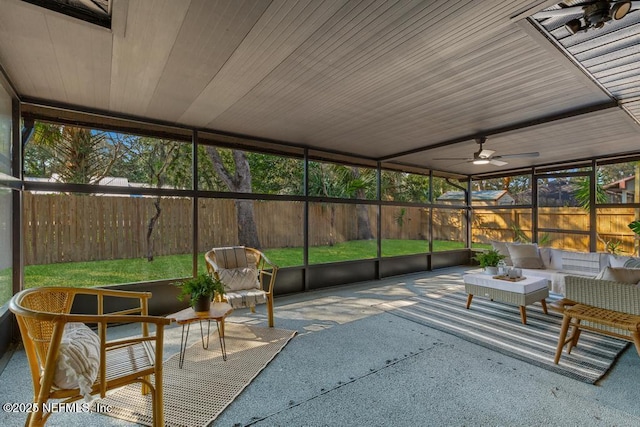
{"type": "Point", "coordinates": [509, 279]}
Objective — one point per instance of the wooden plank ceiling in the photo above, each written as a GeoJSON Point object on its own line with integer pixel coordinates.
{"type": "Point", "coordinates": [372, 78]}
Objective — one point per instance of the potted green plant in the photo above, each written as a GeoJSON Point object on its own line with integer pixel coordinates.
{"type": "Point", "coordinates": [489, 260]}
{"type": "Point", "coordinates": [201, 290]}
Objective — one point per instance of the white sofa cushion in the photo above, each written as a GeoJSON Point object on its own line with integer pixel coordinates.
{"type": "Point", "coordinates": [582, 262]}
{"type": "Point", "coordinates": [525, 255]}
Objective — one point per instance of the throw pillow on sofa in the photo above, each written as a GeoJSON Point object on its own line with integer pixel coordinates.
{"type": "Point", "coordinates": [618, 260]}
{"type": "Point", "coordinates": [632, 263]}
{"type": "Point", "coordinates": [629, 276]}
{"type": "Point", "coordinates": [501, 248]}
{"type": "Point", "coordinates": [624, 261]}
{"type": "Point", "coordinates": [525, 255]}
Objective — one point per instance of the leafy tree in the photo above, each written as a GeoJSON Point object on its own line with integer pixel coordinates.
{"type": "Point", "coordinates": [582, 191]}
{"type": "Point", "coordinates": [276, 174]}
{"type": "Point", "coordinates": [157, 158]}
{"type": "Point", "coordinates": [442, 185]}
{"type": "Point", "coordinates": [340, 181]}
{"type": "Point", "coordinates": [405, 187]}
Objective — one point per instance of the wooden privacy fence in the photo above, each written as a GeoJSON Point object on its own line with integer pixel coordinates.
{"type": "Point", "coordinates": [71, 228]}
{"type": "Point", "coordinates": [612, 226]}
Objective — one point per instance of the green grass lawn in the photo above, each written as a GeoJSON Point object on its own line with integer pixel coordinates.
{"type": "Point", "coordinates": [6, 289]}
{"type": "Point", "coordinates": [96, 273]}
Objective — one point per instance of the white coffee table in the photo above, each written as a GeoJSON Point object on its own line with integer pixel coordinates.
{"type": "Point", "coordinates": [521, 293]}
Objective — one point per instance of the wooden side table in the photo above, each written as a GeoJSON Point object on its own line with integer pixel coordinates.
{"type": "Point", "coordinates": [218, 312]}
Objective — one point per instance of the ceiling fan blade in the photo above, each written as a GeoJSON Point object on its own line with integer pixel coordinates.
{"type": "Point", "coordinates": [557, 13]}
{"type": "Point", "coordinates": [484, 154]}
{"type": "Point", "coordinates": [496, 162]}
{"type": "Point", "coordinates": [518, 155]}
{"type": "Point", "coordinates": [452, 158]}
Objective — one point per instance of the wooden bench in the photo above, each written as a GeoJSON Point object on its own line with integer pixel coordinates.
{"type": "Point", "coordinates": [574, 314]}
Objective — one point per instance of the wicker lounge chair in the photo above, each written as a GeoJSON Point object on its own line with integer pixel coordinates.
{"type": "Point", "coordinates": [247, 274]}
{"type": "Point", "coordinates": [602, 306]}
{"type": "Point", "coordinates": [46, 325]}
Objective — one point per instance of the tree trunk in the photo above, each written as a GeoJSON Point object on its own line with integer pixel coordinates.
{"type": "Point", "coordinates": [364, 226]}
{"type": "Point", "coordinates": [239, 182]}
{"type": "Point", "coordinates": [247, 230]}
{"type": "Point", "coordinates": [151, 226]}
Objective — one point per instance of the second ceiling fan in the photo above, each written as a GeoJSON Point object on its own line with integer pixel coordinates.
{"type": "Point", "coordinates": [589, 14]}
{"type": "Point", "coordinates": [485, 157]}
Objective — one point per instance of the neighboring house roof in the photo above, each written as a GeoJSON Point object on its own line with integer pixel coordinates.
{"type": "Point", "coordinates": [487, 195]}
{"type": "Point", "coordinates": [114, 181]}
{"type": "Point", "coordinates": [107, 181]}
{"type": "Point", "coordinates": [624, 183]}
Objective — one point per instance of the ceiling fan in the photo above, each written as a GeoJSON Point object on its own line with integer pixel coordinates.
{"type": "Point", "coordinates": [485, 157]}
{"type": "Point", "coordinates": [594, 13]}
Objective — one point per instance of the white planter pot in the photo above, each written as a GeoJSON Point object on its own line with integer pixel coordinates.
{"type": "Point", "coordinates": [492, 271]}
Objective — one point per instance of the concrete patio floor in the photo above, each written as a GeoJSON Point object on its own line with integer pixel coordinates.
{"type": "Point", "coordinates": [352, 364]}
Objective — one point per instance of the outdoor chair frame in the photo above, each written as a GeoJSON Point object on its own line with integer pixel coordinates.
{"type": "Point", "coordinates": [42, 314]}
{"type": "Point", "coordinates": [266, 274]}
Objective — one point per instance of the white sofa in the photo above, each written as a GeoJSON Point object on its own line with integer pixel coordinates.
{"type": "Point", "coordinates": [560, 263]}
{"type": "Point", "coordinates": [556, 264]}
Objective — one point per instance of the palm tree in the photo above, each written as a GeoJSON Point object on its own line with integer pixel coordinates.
{"type": "Point", "coordinates": [76, 155]}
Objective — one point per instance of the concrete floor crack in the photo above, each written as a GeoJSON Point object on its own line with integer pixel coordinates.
{"type": "Point", "coordinates": [372, 371]}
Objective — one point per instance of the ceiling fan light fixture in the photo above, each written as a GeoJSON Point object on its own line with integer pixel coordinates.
{"type": "Point", "coordinates": [573, 26]}
{"type": "Point", "coordinates": [620, 9]}
{"type": "Point", "coordinates": [481, 161]}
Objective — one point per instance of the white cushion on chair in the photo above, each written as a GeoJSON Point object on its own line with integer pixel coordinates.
{"type": "Point", "coordinates": [238, 279]}
{"type": "Point", "coordinates": [78, 359]}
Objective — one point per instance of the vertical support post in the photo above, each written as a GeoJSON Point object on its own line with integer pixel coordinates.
{"type": "Point", "coordinates": [17, 144]}
{"type": "Point", "coordinates": [534, 206]}
{"type": "Point", "coordinates": [305, 231]}
{"type": "Point", "coordinates": [468, 200]}
{"type": "Point", "coordinates": [379, 226]}
{"type": "Point", "coordinates": [593, 218]}
{"type": "Point", "coordinates": [636, 199]}
{"type": "Point", "coordinates": [430, 216]}
{"type": "Point", "coordinates": [194, 202]}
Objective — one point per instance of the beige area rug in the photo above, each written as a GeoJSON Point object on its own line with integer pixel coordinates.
{"type": "Point", "coordinates": [196, 394]}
